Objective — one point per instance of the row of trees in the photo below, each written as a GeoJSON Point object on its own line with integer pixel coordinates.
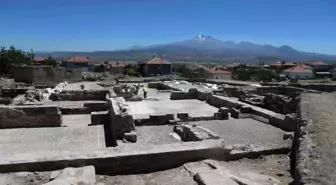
{"type": "Point", "coordinates": [12, 56]}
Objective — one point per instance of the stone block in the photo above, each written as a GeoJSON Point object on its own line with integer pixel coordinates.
{"type": "Point", "coordinates": [224, 110]}
{"type": "Point", "coordinates": [245, 109]}
{"type": "Point", "coordinates": [178, 95]}
{"type": "Point", "coordinates": [234, 113]}
{"type": "Point", "coordinates": [96, 106]}
{"type": "Point", "coordinates": [16, 118]}
{"type": "Point", "coordinates": [218, 116]}
{"type": "Point", "coordinates": [68, 176]}
{"type": "Point", "coordinates": [99, 118]}
{"type": "Point", "coordinates": [160, 119]}
{"type": "Point", "coordinates": [74, 110]}
{"type": "Point", "coordinates": [131, 137]}
{"type": "Point", "coordinates": [183, 116]}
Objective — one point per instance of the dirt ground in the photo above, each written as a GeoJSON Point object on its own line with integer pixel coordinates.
{"type": "Point", "coordinates": [319, 162]}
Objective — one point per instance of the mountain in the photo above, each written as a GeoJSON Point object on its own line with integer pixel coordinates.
{"type": "Point", "coordinates": [205, 48]}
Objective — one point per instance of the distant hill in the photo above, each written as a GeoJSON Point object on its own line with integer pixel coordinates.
{"type": "Point", "coordinates": [202, 48]}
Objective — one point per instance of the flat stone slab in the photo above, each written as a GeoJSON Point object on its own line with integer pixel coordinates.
{"type": "Point", "coordinates": [194, 108]}
{"type": "Point", "coordinates": [76, 120]}
{"type": "Point", "coordinates": [37, 140]}
{"type": "Point", "coordinates": [244, 131]}
{"type": "Point", "coordinates": [156, 135]}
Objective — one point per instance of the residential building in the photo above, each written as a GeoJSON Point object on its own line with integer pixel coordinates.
{"type": "Point", "coordinates": [320, 66]}
{"type": "Point", "coordinates": [206, 72]}
{"type": "Point", "coordinates": [156, 66]}
{"type": "Point", "coordinates": [116, 67]}
{"type": "Point", "coordinates": [284, 65]}
{"type": "Point", "coordinates": [78, 62]}
{"type": "Point", "coordinates": [301, 71]}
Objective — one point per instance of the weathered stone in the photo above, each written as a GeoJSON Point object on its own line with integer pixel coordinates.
{"type": "Point", "coordinates": [131, 137]}
{"type": "Point", "coordinates": [30, 116]}
{"type": "Point", "coordinates": [99, 118]}
{"type": "Point", "coordinates": [96, 106]}
{"type": "Point", "coordinates": [70, 176]}
{"type": "Point", "coordinates": [213, 179]}
{"type": "Point", "coordinates": [5, 101]}
{"type": "Point", "coordinates": [234, 113]}
{"type": "Point", "coordinates": [287, 135]}
{"type": "Point", "coordinates": [183, 116]}
{"type": "Point", "coordinates": [178, 95]}
{"type": "Point", "coordinates": [218, 116]}
{"type": "Point", "coordinates": [223, 110]}
{"type": "Point", "coordinates": [245, 109]}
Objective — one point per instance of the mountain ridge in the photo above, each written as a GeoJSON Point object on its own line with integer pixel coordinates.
{"type": "Point", "coordinates": [202, 47]}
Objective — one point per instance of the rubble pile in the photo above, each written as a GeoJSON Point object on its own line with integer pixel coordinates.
{"type": "Point", "coordinates": [129, 92]}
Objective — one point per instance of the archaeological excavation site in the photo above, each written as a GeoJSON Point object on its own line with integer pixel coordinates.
{"type": "Point", "coordinates": [167, 133]}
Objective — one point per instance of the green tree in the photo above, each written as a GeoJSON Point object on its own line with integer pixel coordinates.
{"type": "Point", "coordinates": [13, 57]}
{"type": "Point", "coordinates": [50, 61]}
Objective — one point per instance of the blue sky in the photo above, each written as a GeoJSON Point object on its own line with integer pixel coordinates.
{"type": "Point", "coordinates": [89, 25]}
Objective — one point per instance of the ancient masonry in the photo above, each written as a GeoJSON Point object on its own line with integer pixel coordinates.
{"type": "Point", "coordinates": [182, 133]}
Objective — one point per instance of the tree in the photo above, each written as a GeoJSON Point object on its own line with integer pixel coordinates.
{"type": "Point", "coordinates": [50, 61]}
{"type": "Point", "coordinates": [13, 57]}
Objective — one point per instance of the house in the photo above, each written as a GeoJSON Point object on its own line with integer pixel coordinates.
{"type": "Point", "coordinates": [206, 72]}
{"type": "Point", "coordinates": [116, 67]}
{"type": "Point", "coordinates": [216, 73]}
{"type": "Point", "coordinates": [301, 71]}
{"type": "Point", "coordinates": [320, 66]}
{"type": "Point", "coordinates": [284, 65]}
{"type": "Point", "coordinates": [156, 66]}
{"type": "Point", "coordinates": [78, 62]}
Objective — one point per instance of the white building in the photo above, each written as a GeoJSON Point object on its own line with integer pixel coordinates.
{"type": "Point", "coordinates": [301, 71]}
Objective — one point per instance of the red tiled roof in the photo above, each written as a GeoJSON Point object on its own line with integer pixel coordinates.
{"type": "Point", "coordinates": [300, 68]}
{"type": "Point", "coordinates": [78, 59]}
{"type": "Point", "coordinates": [115, 64]}
{"type": "Point", "coordinates": [221, 67]}
{"type": "Point", "coordinates": [286, 64]}
{"type": "Point", "coordinates": [215, 70]}
{"type": "Point", "coordinates": [157, 61]}
{"type": "Point", "coordinates": [319, 63]}
{"type": "Point", "coordinates": [39, 59]}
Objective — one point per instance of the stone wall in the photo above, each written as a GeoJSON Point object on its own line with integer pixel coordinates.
{"type": "Point", "coordinates": [162, 86]}
{"type": "Point", "coordinates": [30, 116]}
{"type": "Point", "coordinates": [121, 120]}
{"type": "Point", "coordinates": [281, 104]}
{"type": "Point", "coordinates": [77, 95]}
{"type": "Point", "coordinates": [317, 87]}
{"type": "Point", "coordinates": [45, 74]}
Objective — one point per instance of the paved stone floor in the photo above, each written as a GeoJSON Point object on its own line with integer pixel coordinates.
{"type": "Point", "coordinates": [35, 140]}
{"type": "Point", "coordinates": [195, 108]}
{"type": "Point", "coordinates": [88, 86]}
{"type": "Point", "coordinates": [244, 131]}
{"type": "Point", "coordinates": [76, 120]}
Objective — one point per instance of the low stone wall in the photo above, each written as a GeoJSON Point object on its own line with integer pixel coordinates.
{"type": "Point", "coordinates": [281, 104]}
{"type": "Point", "coordinates": [121, 120]}
{"type": "Point", "coordinates": [30, 116]}
{"type": "Point", "coordinates": [77, 95]}
{"type": "Point", "coordinates": [162, 86]}
{"type": "Point", "coordinates": [110, 162]}
{"type": "Point", "coordinates": [12, 93]}
{"type": "Point", "coordinates": [317, 87]}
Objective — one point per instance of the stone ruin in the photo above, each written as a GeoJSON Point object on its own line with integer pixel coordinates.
{"type": "Point", "coordinates": [237, 119]}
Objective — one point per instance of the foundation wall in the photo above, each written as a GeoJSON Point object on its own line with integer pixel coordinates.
{"type": "Point", "coordinates": [77, 95]}
{"type": "Point", "coordinates": [30, 116]}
